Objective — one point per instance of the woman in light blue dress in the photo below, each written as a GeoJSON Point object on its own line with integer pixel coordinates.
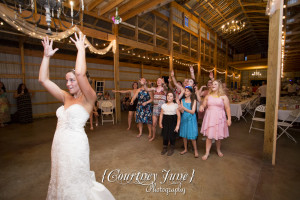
{"type": "Point", "coordinates": [188, 124]}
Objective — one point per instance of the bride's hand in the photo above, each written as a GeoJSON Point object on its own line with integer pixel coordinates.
{"type": "Point", "coordinates": [48, 49]}
{"type": "Point", "coordinates": [79, 41]}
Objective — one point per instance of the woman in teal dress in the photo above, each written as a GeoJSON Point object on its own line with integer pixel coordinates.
{"type": "Point", "coordinates": [188, 124]}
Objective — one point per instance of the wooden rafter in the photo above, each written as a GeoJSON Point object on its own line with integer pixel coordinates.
{"type": "Point", "coordinates": [141, 8]}
{"type": "Point", "coordinates": [109, 6]}
{"type": "Point", "coordinates": [128, 6]}
{"type": "Point", "coordinates": [93, 4]}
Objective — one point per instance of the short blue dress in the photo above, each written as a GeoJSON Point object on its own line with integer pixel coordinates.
{"type": "Point", "coordinates": [188, 123]}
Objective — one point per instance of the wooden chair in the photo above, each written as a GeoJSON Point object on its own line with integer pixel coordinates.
{"type": "Point", "coordinates": [106, 110]}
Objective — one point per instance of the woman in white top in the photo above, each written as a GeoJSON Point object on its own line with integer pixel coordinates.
{"type": "Point", "coordinates": [169, 121]}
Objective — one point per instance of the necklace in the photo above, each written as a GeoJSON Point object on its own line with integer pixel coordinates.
{"type": "Point", "coordinates": [77, 96]}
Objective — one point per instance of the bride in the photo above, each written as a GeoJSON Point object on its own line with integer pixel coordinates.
{"type": "Point", "coordinates": [71, 178]}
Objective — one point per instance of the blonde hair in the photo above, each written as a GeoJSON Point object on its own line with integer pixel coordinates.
{"type": "Point", "coordinates": [220, 91]}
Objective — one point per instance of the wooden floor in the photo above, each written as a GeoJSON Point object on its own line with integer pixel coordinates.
{"type": "Point", "coordinates": [240, 174]}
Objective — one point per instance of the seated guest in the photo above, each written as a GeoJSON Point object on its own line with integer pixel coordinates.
{"type": "Point", "coordinates": [125, 102]}
{"type": "Point", "coordinates": [107, 96]}
{"type": "Point", "coordinates": [291, 88]}
{"type": "Point", "coordinates": [262, 90]}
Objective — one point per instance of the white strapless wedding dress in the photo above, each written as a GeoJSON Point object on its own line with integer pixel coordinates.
{"type": "Point", "coordinates": [71, 178]}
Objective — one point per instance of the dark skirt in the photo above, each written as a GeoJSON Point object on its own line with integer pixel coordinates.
{"type": "Point", "coordinates": [133, 106]}
{"type": "Point", "coordinates": [169, 124]}
{"type": "Point", "coordinates": [24, 108]}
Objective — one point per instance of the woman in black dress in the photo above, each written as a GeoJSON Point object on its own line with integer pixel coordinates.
{"type": "Point", "coordinates": [24, 106]}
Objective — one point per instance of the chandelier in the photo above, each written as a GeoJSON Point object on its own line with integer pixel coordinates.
{"type": "Point", "coordinates": [52, 9]}
{"type": "Point", "coordinates": [256, 73]}
{"type": "Point", "coordinates": [233, 27]}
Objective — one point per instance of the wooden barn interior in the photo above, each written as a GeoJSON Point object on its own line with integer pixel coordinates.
{"type": "Point", "coordinates": [243, 42]}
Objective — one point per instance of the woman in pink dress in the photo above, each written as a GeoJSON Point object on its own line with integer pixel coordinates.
{"type": "Point", "coordinates": [215, 125]}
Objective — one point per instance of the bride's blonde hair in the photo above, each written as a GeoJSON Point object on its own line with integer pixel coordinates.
{"type": "Point", "coordinates": [220, 91]}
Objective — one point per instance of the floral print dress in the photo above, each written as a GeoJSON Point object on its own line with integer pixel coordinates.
{"type": "Point", "coordinates": [143, 113]}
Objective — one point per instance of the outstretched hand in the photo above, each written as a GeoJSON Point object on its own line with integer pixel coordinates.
{"type": "Point", "coordinates": [211, 75]}
{"type": "Point", "coordinates": [48, 49]}
{"type": "Point", "coordinates": [79, 41]}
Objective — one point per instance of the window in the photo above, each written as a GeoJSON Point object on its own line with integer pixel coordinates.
{"type": "Point", "coordinates": [207, 35]}
{"type": "Point", "coordinates": [186, 21]}
{"type": "Point", "coordinates": [99, 87]}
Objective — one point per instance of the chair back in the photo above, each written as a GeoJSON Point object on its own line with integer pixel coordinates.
{"type": "Point", "coordinates": [295, 113]}
{"type": "Point", "coordinates": [260, 108]}
{"type": "Point", "coordinates": [253, 103]}
{"type": "Point", "coordinates": [106, 106]}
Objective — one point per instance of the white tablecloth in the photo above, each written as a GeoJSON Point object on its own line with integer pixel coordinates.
{"type": "Point", "coordinates": [236, 108]}
{"type": "Point", "coordinates": [284, 115]}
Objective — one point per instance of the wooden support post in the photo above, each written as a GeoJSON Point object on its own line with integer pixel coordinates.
{"type": "Point", "coordinates": [180, 42]}
{"type": "Point", "coordinates": [216, 55]}
{"type": "Point", "coordinates": [171, 40]}
{"type": "Point", "coordinates": [226, 73]}
{"type": "Point", "coordinates": [226, 62]}
{"type": "Point", "coordinates": [160, 71]}
{"type": "Point", "coordinates": [136, 35]}
{"type": "Point", "coordinates": [273, 84]}
{"type": "Point", "coordinates": [117, 74]}
{"type": "Point", "coordinates": [199, 54]}
{"type": "Point", "coordinates": [154, 31]}
{"type": "Point", "coordinates": [21, 45]}
{"type": "Point", "coordinates": [142, 70]}
{"type": "Point", "coordinates": [190, 45]}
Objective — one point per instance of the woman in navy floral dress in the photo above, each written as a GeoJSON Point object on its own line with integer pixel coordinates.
{"type": "Point", "coordinates": [143, 109]}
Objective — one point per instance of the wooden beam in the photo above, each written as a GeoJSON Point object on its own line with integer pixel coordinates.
{"type": "Point", "coordinates": [129, 5]}
{"type": "Point", "coordinates": [92, 4]}
{"type": "Point", "coordinates": [273, 85]}
{"type": "Point", "coordinates": [141, 8]}
{"type": "Point", "coordinates": [21, 46]}
{"type": "Point", "coordinates": [117, 74]}
{"type": "Point", "coordinates": [199, 56]}
{"type": "Point", "coordinates": [216, 54]}
{"type": "Point", "coordinates": [170, 33]}
{"type": "Point", "coordinates": [226, 62]}
{"type": "Point", "coordinates": [109, 6]}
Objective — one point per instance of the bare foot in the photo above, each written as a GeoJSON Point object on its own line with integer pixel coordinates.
{"type": "Point", "coordinates": [183, 152]}
{"type": "Point", "coordinates": [149, 136]}
{"type": "Point", "coordinates": [196, 155]}
{"type": "Point", "coordinates": [91, 128]}
{"type": "Point", "coordinates": [128, 128]}
{"type": "Point", "coordinates": [220, 154]}
{"type": "Point", "coordinates": [205, 157]}
{"type": "Point", "coordinates": [96, 124]}
{"type": "Point", "coordinates": [151, 139]}
{"type": "Point", "coordinates": [139, 135]}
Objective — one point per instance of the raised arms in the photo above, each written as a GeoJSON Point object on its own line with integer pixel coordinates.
{"type": "Point", "coordinates": [50, 86]}
{"type": "Point", "coordinates": [80, 69]}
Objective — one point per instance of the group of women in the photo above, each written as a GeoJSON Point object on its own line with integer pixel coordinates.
{"type": "Point", "coordinates": [175, 110]}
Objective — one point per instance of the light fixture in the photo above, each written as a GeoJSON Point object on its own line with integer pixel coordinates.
{"type": "Point", "coordinates": [54, 10]}
{"type": "Point", "coordinates": [234, 26]}
{"type": "Point", "coordinates": [117, 19]}
{"type": "Point", "coordinates": [256, 73]}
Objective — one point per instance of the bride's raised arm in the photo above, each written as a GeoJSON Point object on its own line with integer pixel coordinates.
{"type": "Point", "coordinates": [44, 71]}
{"type": "Point", "coordinates": [80, 69]}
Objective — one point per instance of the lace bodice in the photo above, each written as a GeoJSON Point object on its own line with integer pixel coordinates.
{"type": "Point", "coordinates": [74, 117]}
